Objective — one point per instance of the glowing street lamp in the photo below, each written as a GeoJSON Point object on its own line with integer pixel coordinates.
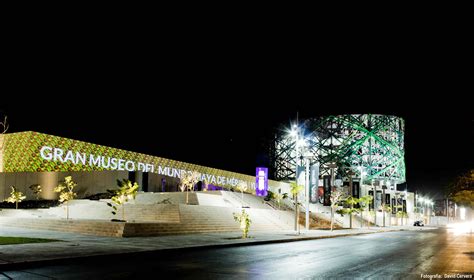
{"type": "Point", "coordinates": [300, 142]}
{"type": "Point", "coordinates": [432, 209]}
{"type": "Point", "coordinates": [422, 201]}
{"type": "Point", "coordinates": [294, 134]}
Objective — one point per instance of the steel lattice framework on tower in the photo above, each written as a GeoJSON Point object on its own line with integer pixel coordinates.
{"type": "Point", "coordinates": [368, 144]}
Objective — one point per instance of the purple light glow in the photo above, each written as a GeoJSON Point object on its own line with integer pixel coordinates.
{"type": "Point", "coordinates": [211, 187]}
{"type": "Point", "coordinates": [261, 181]}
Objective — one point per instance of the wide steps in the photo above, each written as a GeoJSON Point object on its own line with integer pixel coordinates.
{"type": "Point", "coordinates": [100, 211]}
{"type": "Point", "coordinates": [155, 214]}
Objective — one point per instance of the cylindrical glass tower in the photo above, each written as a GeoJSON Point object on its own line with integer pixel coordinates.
{"type": "Point", "coordinates": [371, 146]}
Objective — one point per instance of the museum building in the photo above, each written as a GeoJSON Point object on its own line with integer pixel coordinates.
{"type": "Point", "coordinates": [28, 158]}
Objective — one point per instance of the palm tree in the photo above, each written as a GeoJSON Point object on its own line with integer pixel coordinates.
{"type": "Point", "coordinates": [295, 189]}
{"type": "Point", "coordinates": [351, 201]}
{"type": "Point", "coordinates": [336, 197]}
{"type": "Point", "coordinates": [387, 209]}
{"type": "Point", "coordinates": [364, 203]}
{"type": "Point", "coordinates": [279, 197]}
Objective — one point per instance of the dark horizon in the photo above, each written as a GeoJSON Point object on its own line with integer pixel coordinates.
{"type": "Point", "coordinates": [229, 136]}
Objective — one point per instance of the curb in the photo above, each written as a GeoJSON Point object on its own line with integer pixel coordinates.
{"type": "Point", "coordinates": [66, 260]}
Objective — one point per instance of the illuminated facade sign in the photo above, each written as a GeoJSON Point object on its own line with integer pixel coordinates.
{"type": "Point", "coordinates": [261, 181]}
{"type": "Point", "coordinates": [37, 152]}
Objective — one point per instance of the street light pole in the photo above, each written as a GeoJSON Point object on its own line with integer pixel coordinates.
{"type": "Point", "coordinates": [295, 133]}
{"type": "Point", "coordinates": [333, 174]}
{"type": "Point", "coordinates": [307, 193]}
{"type": "Point", "coordinates": [403, 213]}
{"type": "Point", "coordinates": [417, 210]}
{"type": "Point", "coordinates": [375, 204]}
{"type": "Point", "coordinates": [447, 211]}
{"type": "Point", "coordinates": [424, 211]}
{"type": "Point", "coordinates": [396, 207]}
{"type": "Point", "coordinates": [383, 203]}
{"type": "Point", "coordinates": [432, 214]}
{"type": "Point", "coordinates": [350, 173]}
{"type": "Point", "coordinates": [422, 206]}
{"type": "Point", "coordinates": [300, 143]}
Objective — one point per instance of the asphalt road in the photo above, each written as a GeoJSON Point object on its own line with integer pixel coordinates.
{"type": "Point", "coordinates": [391, 255]}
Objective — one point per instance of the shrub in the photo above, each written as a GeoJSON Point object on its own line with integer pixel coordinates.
{"type": "Point", "coordinates": [244, 220]}
{"type": "Point", "coordinates": [127, 190]}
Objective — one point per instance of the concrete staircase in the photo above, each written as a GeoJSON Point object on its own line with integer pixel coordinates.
{"type": "Point", "coordinates": [98, 210]}
{"type": "Point", "coordinates": [152, 215]}
{"type": "Point", "coordinates": [166, 198]}
{"type": "Point", "coordinates": [202, 219]}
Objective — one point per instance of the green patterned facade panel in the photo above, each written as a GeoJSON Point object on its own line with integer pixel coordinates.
{"type": "Point", "coordinates": [37, 152]}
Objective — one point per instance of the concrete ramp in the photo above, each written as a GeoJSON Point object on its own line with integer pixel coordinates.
{"type": "Point", "coordinates": [211, 199]}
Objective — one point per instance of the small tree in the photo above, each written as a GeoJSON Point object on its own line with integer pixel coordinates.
{"type": "Point", "coordinates": [337, 196]}
{"type": "Point", "coordinates": [65, 190]}
{"type": "Point", "coordinates": [398, 213]}
{"type": "Point", "coordinates": [372, 214]}
{"type": "Point", "coordinates": [351, 201]}
{"type": "Point", "coordinates": [244, 221]}
{"type": "Point", "coordinates": [15, 197]}
{"type": "Point", "coordinates": [188, 180]}
{"type": "Point", "coordinates": [348, 211]}
{"type": "Point", "coordinates": [401, 215]}
{"type": "Point", "coordinates": [465, 182]}
{"type": "Point", "coordinates": [279, 197]}
{"type": "Point", "coordinates": [126, 191]}
{"type": "Point", "coordinates": [242, 187]}
{"type": "Point", "coordinates": [295, 189]}
{"type": "Point", "coordinates": [364, 203]}
{"type": "Point", "coordinates": [465, 198]}
{"type": "Point", "coordinates": [387, 209]}
{"type": "Point", "coordinates": [182, 186]}
{"type": "Point", "coordinates": [36, 189]}
{"type": "Point", "coordinates": [417, 211]}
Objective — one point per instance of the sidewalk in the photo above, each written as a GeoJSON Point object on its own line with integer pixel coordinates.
{"type": "Point", "coordinates": [73, 246]}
